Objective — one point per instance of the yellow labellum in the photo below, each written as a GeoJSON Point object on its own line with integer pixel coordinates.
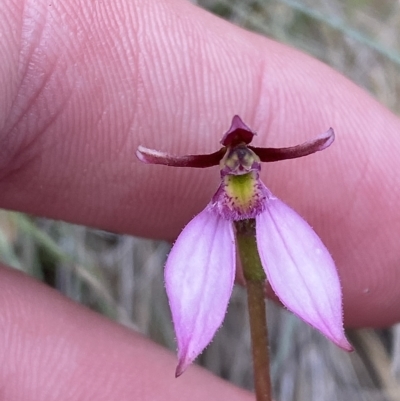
{"type": "Point", "coordinates": [241, 191]}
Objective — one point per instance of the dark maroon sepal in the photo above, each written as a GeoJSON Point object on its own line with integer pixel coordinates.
{"type": "Point", "coordinates": [238, 133]}
{"type": "Point", "coordinates": [151, 156]}
{"type": "Point", "coordinates": [293, 152]}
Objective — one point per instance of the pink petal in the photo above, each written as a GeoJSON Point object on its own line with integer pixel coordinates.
{"type": "Point", "coordinates": [199, 276]}
{"type": "Point", "coordinates": [300, 269]}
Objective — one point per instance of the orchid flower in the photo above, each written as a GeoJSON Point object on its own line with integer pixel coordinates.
{"type": "Point", "coordinates": [200, 269]}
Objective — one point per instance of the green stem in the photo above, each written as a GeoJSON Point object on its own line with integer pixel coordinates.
{"type": "Point", "coordinates": [255, 285]}
{"type": "Point", "coordinates": [259, 340]}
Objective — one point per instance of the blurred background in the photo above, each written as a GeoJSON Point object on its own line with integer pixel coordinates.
{"type": "Point", "coordinates": [122, 276]}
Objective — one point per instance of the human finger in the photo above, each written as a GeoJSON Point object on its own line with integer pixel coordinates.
{"type": "Point", "coordinates": [89, 85]}
{"type": "Point", "coordinates": [51, 346]}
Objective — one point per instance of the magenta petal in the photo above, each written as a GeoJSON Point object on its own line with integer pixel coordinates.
{"type": "Point", "coordinates": [151, 156]}
{"type": "Point", "coordinates": [237, 133]}
{"type": "Point", "coordinates": [300, 269]}
{"type": "Point", "coordinates": [199, 276]}
{"type": "Point", "coordinates": [307, 148]}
